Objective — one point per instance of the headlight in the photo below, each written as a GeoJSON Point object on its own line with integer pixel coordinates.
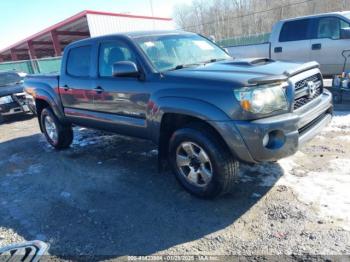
{"type": "Point", "coordinates": [262, 99]}
{"type": "Point", "coordinates": [5, 100]}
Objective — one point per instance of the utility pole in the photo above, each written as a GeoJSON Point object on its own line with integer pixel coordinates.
{"type": "Point", "coordinates": [152, 12]}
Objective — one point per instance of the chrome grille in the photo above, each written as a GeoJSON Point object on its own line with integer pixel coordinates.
{"type": "Point", "coordinates": [302, 92]}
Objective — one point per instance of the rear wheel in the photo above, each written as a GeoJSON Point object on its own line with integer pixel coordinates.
{"type": "Point", "coordinates": [201, 161]}
{"type": "Point", "coordinates": [60, 136]}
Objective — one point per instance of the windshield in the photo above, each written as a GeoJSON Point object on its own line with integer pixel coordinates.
{"type": "Point", "coordinates": [176, 51]}
{"type": "Point", "coordinates": [9, 79]}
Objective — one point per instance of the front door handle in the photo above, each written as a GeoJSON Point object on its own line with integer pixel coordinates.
{"type": "Point", "coordinates": [98, 90]}
{"type": "Point", "coordinates": [66, 88]}
{"type": "Point", "coordinates": [316, 47]}
{"type": "Point", "coordinates": [278, 49]}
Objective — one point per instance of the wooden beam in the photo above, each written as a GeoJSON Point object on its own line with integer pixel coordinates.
{"type": "Point", "coordinates": [20, 50]}
{"type": "Point", "coordinates": [44, 49]}
{"type": "Point", "coordinates": [73, 33]}
{"type": "Point", "coordinates": [14, 56]}
{"type": "Point", "coordinates": [31, 50]}
{"type": "Point", "coordinates": [56, 43]}
{"type": "Point", "coordinates": [49, 42]}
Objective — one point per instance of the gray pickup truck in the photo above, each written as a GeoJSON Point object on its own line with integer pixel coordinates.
{"type": "Point", "coordinates": [206, 111]}
{"type": "Point", "coordinates": [321, 38]}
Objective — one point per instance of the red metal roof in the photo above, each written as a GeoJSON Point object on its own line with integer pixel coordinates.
{"type": "Point", "coordinates": [73, 19]}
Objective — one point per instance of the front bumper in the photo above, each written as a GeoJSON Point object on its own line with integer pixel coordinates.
{"type": "Point", "coordinates": [18, 106]}
{"type": "Point", "coordinates": [288, 131]}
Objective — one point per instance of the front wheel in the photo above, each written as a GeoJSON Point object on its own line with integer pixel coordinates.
{"type": "Point", "coordinates": [201, 161]}
{"type": "Point", "coordinates": [60, 136]}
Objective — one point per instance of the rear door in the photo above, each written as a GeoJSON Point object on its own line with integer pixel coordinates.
{"type": "Point", "coordinates": [76, 85]}
{"type": "Point", "coordinates": [326, 45]}
{"type": "Point", "coordinates": [293, 43]}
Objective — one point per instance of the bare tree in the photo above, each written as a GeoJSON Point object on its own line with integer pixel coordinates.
{"type": "Point", "coordinates": [241, 18]}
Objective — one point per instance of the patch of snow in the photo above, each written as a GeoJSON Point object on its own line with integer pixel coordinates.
{"type": "Point", "coordinates": [256, 195]}
{"type": "Point", "coordinates": [340, 121]}
{"type": "Point", "coordinates": [34, 169]}
{"type": "Point", "coordinates": [65, 194]}
{"type": "Point", "coordinates": [151, 153]}
{"type": "Point", "coordinates": [329, 189]}
{"type": "Point", "coordinates": [344, 138]}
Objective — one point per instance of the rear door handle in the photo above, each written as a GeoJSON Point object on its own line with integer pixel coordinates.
{"type": "Point", "coordinates": [278, 49]}
{"type": "Point", "coordinates": [316, 47]}
{"type": "Point", "coordinates": [98, 90]}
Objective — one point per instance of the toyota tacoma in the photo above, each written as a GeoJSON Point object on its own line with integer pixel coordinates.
{"type": "Point", "coordinates": [206, 111]}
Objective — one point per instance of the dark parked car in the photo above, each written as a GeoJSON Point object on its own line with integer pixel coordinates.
{"type": "Point", "coordinates": [204, 110]}
{"type": "Point", "coordinates": [12, 96]}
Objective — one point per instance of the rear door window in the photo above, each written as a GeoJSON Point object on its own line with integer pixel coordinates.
{"type": "Point", "coordinates": [295, 31]}
{"type": "Point", "coordinates": [79, 61]}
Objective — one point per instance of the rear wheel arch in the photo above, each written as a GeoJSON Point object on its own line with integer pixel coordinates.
{"type": "Point", "coordinates": [58, 134]}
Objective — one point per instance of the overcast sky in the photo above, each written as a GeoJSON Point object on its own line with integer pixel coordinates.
{"type": "Point", "coordinates": [22, 18]}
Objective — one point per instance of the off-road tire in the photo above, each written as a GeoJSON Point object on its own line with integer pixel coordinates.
{"type": "Point", "coordinates": [64, 131]}
{"type": "Point", "coordinates": [225, 167]}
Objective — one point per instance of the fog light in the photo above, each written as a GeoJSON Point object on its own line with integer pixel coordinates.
{"type": "Point", "coordinates": [274, 139]}
{"type": "Point", "coordinates": [266, 140]}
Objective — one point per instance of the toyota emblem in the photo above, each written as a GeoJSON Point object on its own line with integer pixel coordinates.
{"type": "Point", "coordinates": [311, 88]}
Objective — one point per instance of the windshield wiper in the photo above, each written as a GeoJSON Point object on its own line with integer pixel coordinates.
{"type": "Point", "coordinates": [195, 64]}
{"type": "Point", "coordinates": [184, 66]}
{"type": "Point", "coordinates": [214, 60]}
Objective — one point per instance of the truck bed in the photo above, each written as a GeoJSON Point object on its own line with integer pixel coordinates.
{"type": "Point", "coordinates": [44, 80]}
{"type": "Point", "coordinates": [248, 51]}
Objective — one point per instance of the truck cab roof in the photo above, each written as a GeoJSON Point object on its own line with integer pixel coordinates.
{"type": "Point", "coordinates": [343, 13]}
{"type": "Point", "coordinates": [130, 35]}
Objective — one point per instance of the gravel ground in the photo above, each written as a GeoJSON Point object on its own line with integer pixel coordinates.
{"type": "Point", "coordinates": [104, 197]}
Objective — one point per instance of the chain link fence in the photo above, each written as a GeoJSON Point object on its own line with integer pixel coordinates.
{"type": "Point", "coordinates": [37, 66]}
{"type": "Point", "coordinates": [245, 40]}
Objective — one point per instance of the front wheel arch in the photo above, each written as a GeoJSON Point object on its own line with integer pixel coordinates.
{"type": "Point", "coordinates": [172, 122]}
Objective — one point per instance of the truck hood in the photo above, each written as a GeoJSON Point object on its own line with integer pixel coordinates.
{"type": "Point", "coordinates": [11, 89]}
{"type": "Point", "coordinates": [243, 72]}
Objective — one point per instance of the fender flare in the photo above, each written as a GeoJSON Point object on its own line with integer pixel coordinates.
{"type": "Point", "coordinates": [202, 110]}
{"type": "Point", "coordinates": [183, 106]}
{"type": "Point", "coordinates": [45, 92]}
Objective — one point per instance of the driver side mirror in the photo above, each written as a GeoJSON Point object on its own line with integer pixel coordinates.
{"type": "Point", "coordinates": [345, 33]}
{"type": "Point", "coordinates": [125, 69]}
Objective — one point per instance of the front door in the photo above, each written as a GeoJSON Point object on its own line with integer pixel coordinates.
{"type": "Point", "coordinates": [122, 100]}
{"type": "Point", "coordinates": [327, 45]}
